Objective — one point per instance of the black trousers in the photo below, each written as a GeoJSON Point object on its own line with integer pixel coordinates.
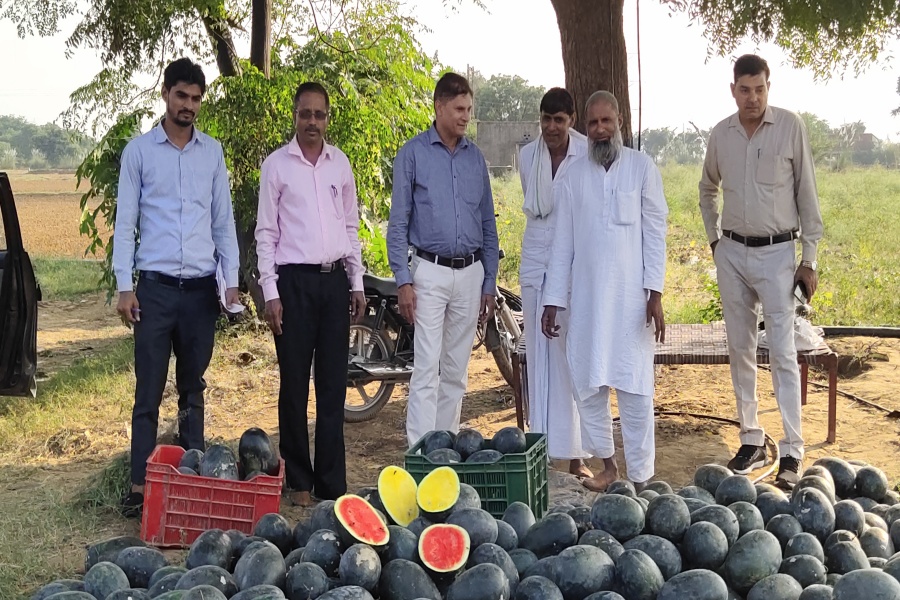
{"type": "Point", "coordinates": [172, 320]}
{"type": "Point", "coordinates": [316, 319]}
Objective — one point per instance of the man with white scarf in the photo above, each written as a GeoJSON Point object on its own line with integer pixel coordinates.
{"type": "Point", "coordinates": [610, 248]}
{"type": "Point", "coordinates": [551, 402]}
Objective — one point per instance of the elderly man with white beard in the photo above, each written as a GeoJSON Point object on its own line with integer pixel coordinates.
{"type": "Point", "coordinates": [610, 244]}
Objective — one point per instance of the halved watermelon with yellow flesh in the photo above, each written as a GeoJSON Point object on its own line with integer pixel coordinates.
{"type": "Point", "coordinates": [438, 493]}
{"type": "Point", "coordinates": [359, 523]}
{"type": "Point", "coordinates": [444, 549]}
{"type": "Point", "coordinates": [397, 491]}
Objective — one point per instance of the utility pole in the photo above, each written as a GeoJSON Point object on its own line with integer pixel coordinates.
{"type": "Point", "coordinates": [470, 77]}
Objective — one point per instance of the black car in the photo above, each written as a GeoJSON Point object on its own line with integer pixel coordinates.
{"type": "Point", "coordinates": [19, 296]}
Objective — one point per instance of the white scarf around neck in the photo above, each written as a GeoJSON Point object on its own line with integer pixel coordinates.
{"type": "Point", "coordinates": [539, 191]}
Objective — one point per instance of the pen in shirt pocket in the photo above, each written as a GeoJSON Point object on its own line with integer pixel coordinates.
{"type": "Point", "coordinates": [334, 193]}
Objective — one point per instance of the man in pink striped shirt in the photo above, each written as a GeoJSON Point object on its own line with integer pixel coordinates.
{"type": "Point", "coordinates": [310, 270]}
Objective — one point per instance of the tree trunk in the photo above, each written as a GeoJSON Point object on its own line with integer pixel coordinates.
{"type": "Point", "coordinates": [249, 275]}
{"type": "Point", "coordinates": [261, 36]}
{"type": "Point", "coordinates": [223, 45]}
{"type": "Point", "coordinates": [594, 55]}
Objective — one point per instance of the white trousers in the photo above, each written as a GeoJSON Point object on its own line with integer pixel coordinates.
{"type": "Point", "coordinates": [447, 305]}
{"type": "Point", "coordinates": [551, 400]}
{"type": "Point", "coordinates": [638, 430]}
{"type": "Point", "coordinates": [748, 277]}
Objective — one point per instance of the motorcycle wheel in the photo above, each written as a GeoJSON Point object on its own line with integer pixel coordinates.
{"type": "Point", "coordinates": [363, 402]}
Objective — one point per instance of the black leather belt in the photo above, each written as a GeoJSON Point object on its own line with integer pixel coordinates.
{"type": "Point", "coordinates": [193, 283]}
{"type": "Point", "coordinates": [323, 268]}
{"type": "Point", "coordinates": [454, 263]}
{"type": "Point", "coordinates": [755, 242]}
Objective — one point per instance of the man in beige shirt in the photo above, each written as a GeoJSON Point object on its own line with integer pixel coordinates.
{"type": "Point", "coordinates": [761, 159]}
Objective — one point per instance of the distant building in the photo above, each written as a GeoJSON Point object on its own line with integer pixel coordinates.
{"type": "Point", "coordinates": [500, 142]}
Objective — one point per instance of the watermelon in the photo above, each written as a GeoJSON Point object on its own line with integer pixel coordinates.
{"type": "Point", "coordinates": [523, 559]}
{"type": "Point", "coordinates": [405, 580]}
{"type": "Point", "coordinates": [294, 557]}
{"type": "Point", "coordinates": [545, 567]}
{"type": "Point", "coordinates": [402, 543]}
{"type": "Point", "coordinates": [260, 592]}
{"type": "Point", "coordinates": [605, 596]}
{"type": "Point", "coordinates": [668, 517]}
{"type": "Point", "coordinates": [443, 549]}
{"type": "Point", "coordinates": [551, 535]}
{"type": "Point", "coordinates": [60, 585]}
{"type": "Point", "coordinates": [108, 550]}
{"type": "Point", "coordinates": [873, 520]}
{"type": "Point", "coordinates": [419, 525]}
{"type": "Point", "coordinates": [256, 452]}
{"type": "Point", "coordinates": [104, 578]}
{"type": "Point", "coordinates": [276, 529]}
{"type": "Point", "coordinates": [806, 569]}
{"type": "Point", "coordinates": [358, 522]}
{"type": "Point", "coordinates": [623, 487]}
{"type": "Point", "coordinates": [323, 517]}
{"type": "Point", "coordinates": [637, 576]}
{"type": "Point", "coordinates": [868, 584]}
{"type": "Point", "coordinates": [871, 483]}
{"type": "Point", "coordinates": [748, 516]}
{"type": "Point", "coordinates": [495, 555]}
{"type": "Point", "coordinates": [819, 471]}
{"type": "Point", "coordinates": [140, 563]}
{"type": "Point", "coordinates": [780, 586]}
{"type": "Point", "coordinates": [479, 524]}
{"type": "Point", "coordinates": [437, 494]}
{"type": "Point", "coordinates": [784, 527]}
{"type": "Point", "coordinates": [876, 543]}
{"type": "Point", "coordinates": [217, 577]}
{"type": "Point", "coordinates": [895, 534]}
{"type": "Point", "coordinates": [694, 504]}
{"type": "Point", "coordinates": [520, 516]}
{"type": "Point", "coordinates": [173, 595]}
{"type": "Point", "coordinates": [212, 547]}
{"type": "Point", "coordinates": [649, 495]}
{"type": "Point", "coordinates": [324, 548]}
{"type": "Point", "coordinates": [840, 536]}
{"type": "Point", "coordinates": [704, 546]}
{"type": "Point", "coordinates": [191, 459]}
{"type": "Point", "coordinates": [844, 557]}
{"type": "Point", "coordinates": [814, 512]}
{"type": "Point", "coordinates": [618, 515]}
{"type": "Point", "coordinates": [187, 471]}
{"type": "Point", "coordinates": [867, 504]}
{"type": "Point", "coordinates": [804, 543]}
{"type": "Point", "coordinates": [351, 592]}
{"type": "Point", "coordinates": [263, 565]}
{"type": "Point", "coordinates": [843, 475]}
{"type": "Point", "coordinates": [484, 456]}
{"type": "Point", "coordinates": [660, 487]}
{"type": "Point", "coordinates": [129, 594]}
{"type": "Point", "coordinates": [506, 536]}
{"type": "Point", "coordinates": [751, 559]}
{"type": "Point", "coordinates": [468, 442]}
{"type": "Point", "coordinates": [814, 481]}
{"type": "Point", "coordinates": [219, 462]}
{"type": "Point", "coordinates": [305, 581]}
{"type": "Point", "coordinates": [721, 517]}
{"type": "Point", "coordinates": [604, 541]}
{"type": "Point", "coordinates": [360, 566]}
{"type": "Point", "coordinates": [481, 582]}
{"type": "Point", "coordinates": [468, 497]}
{"type": "Point", "coordinates": [698, 493]}
{"type": "Point", "coordinates": [444, 456]}
{"type": "Point", "coordinates": [509, 440]}
{"type": "Point", "coordinates": [849, 515]}
{"type": "Point", "coordinates": [768, 488]}
{"type": "Point", "coordinates": [710, 476]}
{"type": "Point", "coordinates": [698, 584]}
{"type": "Point", "coordinates": [166, 583]}
{"type": "Point", "coordinates": [770, 505]}
{"type": "Point", "coordinates": [397, 491]}
{"type": "Point", "coordinates": [662, 551]}
{"type": "Point", "coordinates": [537, 588]}
{"type": "Point", "coordinates": [437, 440]}
{"type": "Point", "coordinates": [817, 592]}
{"type": "Point", "coordinates": [203, 592]}
{"type": "Point", "coordinates": [72, 595]}
{"type": "Point", "coordinates": [583, 570]}
{"type": "Point", "coordinates": [736, 488]}
{"type": "Point", "coordinates": [881, 510]}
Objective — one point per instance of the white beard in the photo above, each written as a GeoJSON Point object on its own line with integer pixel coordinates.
{"type": "Point", "coordinates": [604, 152]}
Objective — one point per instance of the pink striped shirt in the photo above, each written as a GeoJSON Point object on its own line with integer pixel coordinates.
{"type": "Point", "coordinates": [308, 214]}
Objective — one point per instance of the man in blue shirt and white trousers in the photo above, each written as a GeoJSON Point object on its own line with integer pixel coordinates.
{"type": "Point", "coordinates": [173, 188]}
{"type": "Point", "coordinates": [442, 206]}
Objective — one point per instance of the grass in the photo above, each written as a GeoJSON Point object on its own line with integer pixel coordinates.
{"type": "Point", "coordinates": [66, 278]}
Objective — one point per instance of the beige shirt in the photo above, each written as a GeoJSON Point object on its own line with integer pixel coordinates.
{"type": "Point", "coordinates": [768, 181]}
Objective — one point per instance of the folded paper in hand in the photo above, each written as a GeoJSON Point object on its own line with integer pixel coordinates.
{"type": "Point", "coordinates": [235, 308]}
{"type": "Point", "coordinates": [806, 336]}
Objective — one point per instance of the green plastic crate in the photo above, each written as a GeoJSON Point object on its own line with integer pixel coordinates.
{"type": "Point", "coordinates": [515, 477]}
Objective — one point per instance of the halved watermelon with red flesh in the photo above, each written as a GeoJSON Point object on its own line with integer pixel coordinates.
{"type": "Point", "coordinates": [359, 522]}
{"type": "Point", "coordinates": [444, 549]}
{"type": "Point", "coordinates": [397, 491]}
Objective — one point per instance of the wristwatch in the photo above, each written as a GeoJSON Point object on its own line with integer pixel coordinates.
{"type": "Point", "coordinates": [809, 264]}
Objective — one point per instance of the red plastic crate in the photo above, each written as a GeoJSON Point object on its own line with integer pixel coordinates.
{"type": "Point", "coordinates": [179, 507]}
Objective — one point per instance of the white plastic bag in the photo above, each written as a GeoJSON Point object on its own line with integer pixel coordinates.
{"type": "Point", "coordinates": [806, 336]}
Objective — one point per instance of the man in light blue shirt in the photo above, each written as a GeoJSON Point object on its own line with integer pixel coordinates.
{"type": "Point", "coordinates": [443, 207]}
{"type": "Point", "coordinates": [174, 191]}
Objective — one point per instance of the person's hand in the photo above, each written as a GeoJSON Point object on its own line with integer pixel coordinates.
{"type": "Point", "coordinates": [128, 308]}
{"type": "Point", "coordinates": [809, 278]}
{"type": "Point", "coordinates": [274, 313]}
{"type": "Point", "coordinates": [357, 306]}
{"type": "Point", "coordinates": [712, 248]}
{"type": "Point", "coordinates": [231, 297]}
{"type": "Point", "coordinates": [406, 300]}
{"type": "Point", "coordinates": [488, 306]}
{"type": "Point", "coordinates": [548, 322]}
{"type": "Point", "coordinates": [655, 314]}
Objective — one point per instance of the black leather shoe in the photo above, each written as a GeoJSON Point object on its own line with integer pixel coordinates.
{"type": "Point", "coordinates": [747, 459]}
{"type": "Point", "coordinates": [788, 472]}
{"type": "Point", "coordinates": [132, 505]}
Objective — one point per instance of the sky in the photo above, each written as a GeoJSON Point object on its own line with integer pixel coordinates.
{"type": "Point", "coordinates": [521, 37]}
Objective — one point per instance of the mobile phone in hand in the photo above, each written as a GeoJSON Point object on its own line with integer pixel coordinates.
{"type": "Point", "coordinates": [800, 293]}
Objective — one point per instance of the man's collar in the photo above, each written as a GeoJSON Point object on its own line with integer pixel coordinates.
{"type": "Point", "coordinates": [435, 138]}
{"type": "Point", "coordinates": [768, 117]}
{"type": "Point", "coordinates": [294, 148]}
{"type": "Point", "coordinates": [160, 135]}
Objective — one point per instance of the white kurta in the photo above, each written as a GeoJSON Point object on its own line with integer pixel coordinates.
{"type": "Point", "coordinates": [610, 243]}
{"type": "Point", "coordinates": [552, 408]}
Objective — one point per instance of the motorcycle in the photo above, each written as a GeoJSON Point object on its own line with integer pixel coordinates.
{"type": "Point", "coordinates": [381, 346]}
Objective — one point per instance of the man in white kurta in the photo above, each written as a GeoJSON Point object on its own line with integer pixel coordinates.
{"type": "Point", "coordinates": [610, 247]}
{"type": "Point", "coordinates": [551, 403]}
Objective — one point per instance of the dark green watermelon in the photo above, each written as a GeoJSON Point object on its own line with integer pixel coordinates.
{"type": "Point", "coordinates": [698, 493]}
{"type": "Point", "coordinates": [203, 592]}
{"type": "Point", "coordinates": [867, 584]}
{"type": "Point", "coordinates": [60, 585]}
{"type": "Point", "coordinates": [736, 488]}
{"type": "Point", "coordinates": [478, 523]}
{"type": "Point", "coordinates": [165, 572]}
{"type": "Point", "coordinates": [871, 483]}
{"type": "Point", "coordinates": [405, 580]}
{"type": "Point", "coordinates": [468, 442]}
{"type": "Point", "coordinates": [506, 536]}
{"type": "Point", "coordinates": [582, 517]}
{"type": "Point", "coordinates": [165, 584]}
{"type": "Point", "coordinates": [520, 516]}
{"type": "Point", "coordinates": [778, 586]}
{"type": "Point", "coordinates": [104, 578]}
{"type": "Point", "coordinates": [843, 475]}
{"type": "Point", "coordinates": [294, 557]}
{"type": "Point", "coordinates": [191, 459]}
{"type": "Point", "coordinates": [637, 576]}
{"type": "Point", "coordinates": [276, 529]}
{"type": "Point", "coordinates": [350, 592]}
{"type": "Point", "coordinates": [217, 577]}
{"type": "Point", "coordinates": [817, 592]}
{"type": "Point", "coordinates": [246, 542]}
{"type": "Point", "coordinates": [721, 517]}
{"type": "Point", "coordinates": [71, 595]}
{"type": "Point", "coordinates": [260, 592]}
{"type": "Point", "coordinates": [444, 456]}
{"type": "Point", "coordinates": [324, 548]}
{"type": "Point", "coordinates": [360, 566]}
{"type": "Point", "coordinates": [537, 588]}
{"type": "Point", "coordinates": [605, 596]}
{"type": "Point", "coordinates": [814, 511]}
{"type": "Point", "coordinates": [698, 584]}
{"type": "Point", "coordinates": [704, 546]}
{"type": "Point", "coordinates": [323, 517]}
{"type": "Point", "coordinates": [523, 559]}
{"type": "Point", "coordinates": [668, 517]}
{"type": "Point", "coordinates": [370, 495]}
{"type": "Point", "coordinates": [187, 471]}
{"type": "Point", "coordinates": [305, 581]}
{"type": "Point", "coordinates": [551, 535]}
{"type": "Point", "coordinates": [873, 520]}
{"type": "Point", "coordinates": [544, 567]}
{"type": "Point", "coordinates": [468, 497]}
{"type": "Point", "coordinates": [748, 516]}
{"type": "Point", "coordinates": [263, 565]}
{"type": "Point", "coordinates": [649, 495]}
{"type": "Point", "coordinates": [768, 488]}
{"type": "Point", "coordinates": [257, 453]}
{"type": "Point", "coordinates": [403, 543]}
{"type": "Point", "coordinates": [219, 462]}
{"type": "Point", "coordinates": [840, 535]}
{"type": "Point", "coordinates": [876, 543]}
{"type": "Point", "coordinates": [895, 534]}
{"type": "Point", "coordinates": [583, 570]}
{"type": "Point", "coordinates": [806, 569]}
{"type": "Point", "coordinates": [844, 557]}
{"type": "Point", "coordinates": [804, 543]}
{"type": "Point", "coordinates": [784, 527]}
{"type": "Point", "coordinates": [129, 594]}
{"type": "Point", "coordinates": [849, 516]}
{"type": "Point", "coordinates": [621, 516]}
{"type": "Point", "coordinates": [867, 504]}
{"type": "Point", "coordinates": [770, 505]}
{"type": "Point", "coordinates": [484, 456]}
{"type": "Point", "coordinates": [710, 476]}
{"type": "Point", "coordinates": [481, 582]}
{"type": "Point", "coordinates": [509, 440]}
{"type": "Point", "coordinates": [139, 564]}
{"type": "Point", "coordinates": [660, 487]}
{"type": "Point", "coordinates": [173, 595]}
{"type": "Point", "coordinates": [826, 486]}
{"type": "Point", "coordinates": [751, 559]}
{"type": "Point", "coordinates": [212, 547]}
{"type": "Point", "coordinates": [495, 555]}
{"type": "Point", "coordinates": [878, 563]}
{"type": "Point", "coordinates": [662, 551]}
{"type": "Point", "coordinates": [418, 525]}
{"type": "Point", "coordinates": [437, 440]}
{"type": "Point", "coordinates": [108, 550]}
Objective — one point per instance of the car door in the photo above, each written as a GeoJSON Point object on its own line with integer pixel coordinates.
{"type": "Point", "coordinates": [18, 304]}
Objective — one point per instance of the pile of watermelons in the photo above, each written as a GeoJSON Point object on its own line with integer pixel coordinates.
{"type": "Point", "coordinates": [722, 538]}
{"type": "Point", "coordinates": [446, 448]}
{"type": "Point", "coordinates": [256, 456]}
